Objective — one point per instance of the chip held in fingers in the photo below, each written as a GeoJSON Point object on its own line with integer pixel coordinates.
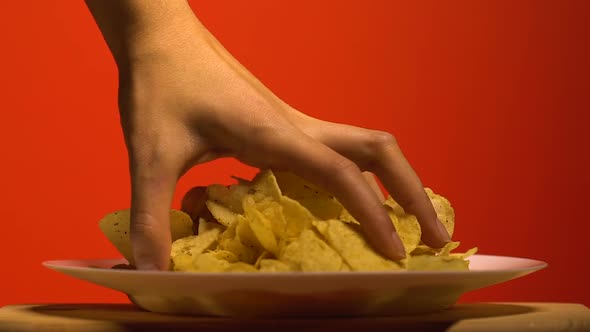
{"type": "Point", "coordinates": [280, 223]}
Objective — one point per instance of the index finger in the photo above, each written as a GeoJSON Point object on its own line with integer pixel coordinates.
{"type": "Point", "coordinates": [333, 172]}
{"type": "Point", "coordinates": [402, 182]}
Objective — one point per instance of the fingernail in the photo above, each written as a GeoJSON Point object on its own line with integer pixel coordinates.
{"type": "Point", "coordinates": [442, 231]}
{"type": "Point", "coordinates": [399, 252]}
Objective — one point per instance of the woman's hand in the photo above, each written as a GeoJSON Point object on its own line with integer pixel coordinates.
{"type": "Point", "coordinates": [184, 100]}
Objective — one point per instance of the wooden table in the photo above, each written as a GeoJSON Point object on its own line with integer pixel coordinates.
{"type": "Point", "coordinates": [503, 317]}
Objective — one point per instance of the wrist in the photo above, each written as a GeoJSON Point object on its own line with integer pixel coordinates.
{"type": "Point", "coordinates": [136, 29]}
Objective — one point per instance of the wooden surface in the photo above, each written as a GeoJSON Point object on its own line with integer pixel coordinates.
{"type": "Point", "coordinates": [502, 317]}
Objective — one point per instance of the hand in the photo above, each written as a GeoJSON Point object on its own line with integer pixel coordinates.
{"type": "Point", "coordinates": [184, 100]}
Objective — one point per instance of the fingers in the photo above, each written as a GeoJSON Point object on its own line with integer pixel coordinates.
{"type": "Point", "coordinates": [403, 183]}
{"type": "Point", "coordinates": [152, 189]}
{"type": "Point", "coordinates": [321, 165]}
{"type": "Point", "coordinates": [370, 178]}
{"type": "Point", "coordinates": [379, 152]}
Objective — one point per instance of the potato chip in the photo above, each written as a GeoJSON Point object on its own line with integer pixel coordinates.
{"type": "Point", "coordinates": [183, 262]}
{"type": "Point", "coordinates": [222, 213]}
{"type": "Point", "coordinates": [320, 203]}
{"type": "Point", "coordinates": [353, 248]}
{"type": "Point", "coordinates": [407, 227]}
{"type": "Point", "coordinates": [446, 250]}
{"type": "Point", "coordinates": [231, 197]}
{"type": "Point", "coordinates": [209, 262]}
{"type": "Point", "coordinates": [205, 226]}
{"type": "Point", "coordinates": [247, 237]}
{"type": "Point", "coordinates": [224, 255]}
{"type": "Point", "coordinates": [444, 210]}
{"type": "Point", "coordinates": [280, 223]}
{"type": "Point", "coordinates": [264, 186]}
{"type": "Point", "coordinates": [397, 209]}
{"type": "Point", "coordinates": [436, 263]}
{"type": "Point", "coordinates": [115, 226]}
{"type": "Point", "coordinates": [230, 241]}
{"type": "Point", "coordinates": [297, 217]}
{"type": "Point", "coordinates": [184, 250]}
{"type": "Point", "coordinates": [218, 193]}
{"type": "Point", "coordinates": [264, 255]}
{"type": "Point", "coordinates": [220, 261]}
{"type": "Point", "coordinates": [193, 203]}
{"type": "Point", "coordinates": [310, 253]}
{"type": "Point", "coordinates": [274, 265]}
{"type": "Point", "coordinates": [240, 267]}
{"type": "Point", "coordinates": [346, 217]}
{"type": "Point", "coordinates": [466, 254]}
{"type": "Point", "coordinates": [241, 181]}
{"type": "Point", "coordinates": [194, 244]}
{"type": "Point", "coordinates": [423, 249]}
{"type": "Point", "coordinates": [273, 211]}
{"type": "Point", "coordinates": [260, 226]}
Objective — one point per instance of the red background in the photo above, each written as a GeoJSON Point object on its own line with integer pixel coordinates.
{"type": "Point", "coordinates": [489, 100]}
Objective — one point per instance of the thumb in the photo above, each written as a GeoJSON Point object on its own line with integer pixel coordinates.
{"type": "Point", "coordinates": [152, 189]}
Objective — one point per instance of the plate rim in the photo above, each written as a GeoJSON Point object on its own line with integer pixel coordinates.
{"type": "Point", "coordinates": [54, 265]}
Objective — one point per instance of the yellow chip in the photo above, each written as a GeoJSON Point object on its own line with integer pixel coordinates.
{"type": "Point", "coordinates": [394, 206]}
{"type": "Point", "coordinates": [346, 217]}
{"type": "Point", "coordinates": [184, 250]}
{"type": "Point", "coordinates": [436, 263]}
{"type": "Point", "coordinates": [210, 262]}
{"type": "Point", "coordinates": [466, 254]}
{"type": "Point", "coordinates": [260, 226]}
{"type": "Point", "coordinates": [221, 213]}
{"type": "Point", "coordinates": [273, 265]}
{"type": "Point", "coordinates": [230, 241]}
{"type": "Point", "coordinates": [423, 249]}
{"type": "Point", "coordinates": [241, 181]}
{"type": "Point", "coordinates": [273, 211]}
{"type": "Point", "coordinates": [444, 210]}
{"type": "Point", "coordinates": [297, 217]}
{"type": "Point", "coordinates": [310, 253]}
{"type": "Point", "coordinates": [220, 261]}
{"type": "Point", "coordinates": [407, 227]}
{"type": "Point", "coordinates": [225, 255]}
{"type": "Point", "coordinates": [446, 250]}
{"type": "Point", "coordinates": [320, 203]}
{"type": "Point", "coordinates": [264, 186]}
{"type": "Point", "coordinates": [279, 222]}
{"type": "Point", "coordinates": [205, 226]}
{"type": "Point", "coordinates": [353, 248]}
{"type": "Point", "coordinates": [240, 267]}
{"type": "Point", "coordinates": [247, 237]}
{"type": "Point", "coordinates": [230, 198]}
{"type": "Point", "coordinates": [264, 255]}
{"type": "Point", "coordinates": [183, 262]}
{"type": "Point", "coordinates": [115, 226]}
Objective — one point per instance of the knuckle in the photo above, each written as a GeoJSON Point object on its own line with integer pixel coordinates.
{"type": "Point", "coordinates": [263, 136]}
{"type": "Point", "coordinates": [142, 223]}
{"type": "Point", "coordinates": [262, 140]}
{"type": "Point", "coordinates": [381, 140]}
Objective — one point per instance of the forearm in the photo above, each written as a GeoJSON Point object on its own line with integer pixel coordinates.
{"type": "Point", "coordinates": [136, 28]}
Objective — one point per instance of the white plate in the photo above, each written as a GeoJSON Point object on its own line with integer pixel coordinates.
{"type": "Point", "coordinates": [298, 294]}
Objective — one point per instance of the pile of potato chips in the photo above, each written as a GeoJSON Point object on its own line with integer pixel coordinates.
{"type": "Point", "coordinates": [280, 223]}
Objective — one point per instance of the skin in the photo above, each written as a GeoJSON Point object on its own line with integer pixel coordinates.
{"type": "Point", "coordinates": [184, 100]}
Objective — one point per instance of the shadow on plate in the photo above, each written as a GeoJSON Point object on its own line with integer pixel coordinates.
{"type": "Point", "coordinates": [127, 317]}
